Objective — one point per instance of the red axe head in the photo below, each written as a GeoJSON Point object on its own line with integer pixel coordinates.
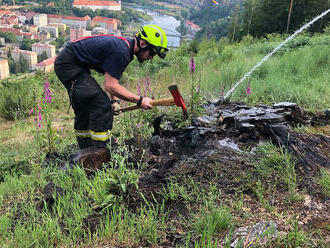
{"type": "Point", "coordinates": [178, 100]}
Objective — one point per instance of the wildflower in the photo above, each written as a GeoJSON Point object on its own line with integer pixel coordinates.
{"type": "Point", "coordinates": [31, 111]}
{"type": "Point", "coordinates": [248, 89]}
{"type": "Point", "coordinates": [147, 85]}
{"type": "Point", "coordinates": [40, 116]}
{"type": "Point", "coordinates": [192, 65]}
{"type": "Point", "coordinates": [39, 125]}
{"type": "Point", "coordinates": [139, 125]}
{"type": "Point", "coordinates": [47, 93]}
{"type": "Point", "coordinates": [139, 90]}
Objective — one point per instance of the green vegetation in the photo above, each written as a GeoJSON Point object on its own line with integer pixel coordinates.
{"type": "Point", "coordinates": [237, 18]}
{"type": "Point", "coordinates": [9, 37]}
{"type": "Point", "coordinates": [324, 181]}
{"type": "Point", "coordinates": [102, 209]}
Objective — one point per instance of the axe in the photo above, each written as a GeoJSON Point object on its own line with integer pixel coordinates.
{"type": "Point", "coordinates": [170, 101]}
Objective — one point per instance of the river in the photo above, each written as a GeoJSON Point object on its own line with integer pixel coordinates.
{"type": "Point", "coordinates": [167, 23]}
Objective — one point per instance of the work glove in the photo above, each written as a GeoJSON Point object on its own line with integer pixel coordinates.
{"type": "Point", "coordinates": [115, 107]}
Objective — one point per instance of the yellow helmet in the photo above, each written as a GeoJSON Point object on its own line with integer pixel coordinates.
{"type": "Point", "coordinates": [156, 38]}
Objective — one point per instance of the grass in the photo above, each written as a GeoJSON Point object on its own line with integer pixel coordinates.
{"type": "Point", "coordinates": [324, 181]}
{"type": "Point", "coordinates": [208, 216]}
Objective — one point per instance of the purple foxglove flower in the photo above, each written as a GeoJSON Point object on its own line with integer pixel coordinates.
{"type": "Point", "coordinates": [192, 65]}
{"type": "Point", "coordinates": [139, 90]}
{"type": "Point", "coordinates": [48, 93]}
{"type": "Point", "coordinates": [248, 91]}
{"type": "Point", "coordinates": [31, 111]}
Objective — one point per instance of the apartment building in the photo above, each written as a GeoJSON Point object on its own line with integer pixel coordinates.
{"type": "Point", "coordinates": [99, 30]}
{"type": "Point", "coordinates": [42, 36]}
{"type": "Point", "coordinates": [40, 48]}
{"type": "Point", "coordinates": [76, 21]}
{"type": "Point", "coordinates": [192, 27]}
{"type": "Point", "coordinates": [61, 27]}
{"type": "Point", "coordinates": [90, 4]}
{"type": "Point", "coordinates": [53, 31]}
{"type": "Point", "coordinates": [2, 41]}
{"type": "Point", "coordinates": [54, 18]}
{"type": "Point", "coordinates": [40, 20]}
{"type": "Point", "coordinates": [30, 56]}
{"type": "Point", "coordinates": [46, 65]}
{"type": "Point", "coordinates": [107, 23]}
{"type": "Point", "coordinates": [4, 69]}
{"type": "Point", "coordinates": [76, 33]}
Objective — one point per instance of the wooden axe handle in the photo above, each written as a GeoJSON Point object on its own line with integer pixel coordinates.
{"type": "Point", "coordinates": [161, 102]}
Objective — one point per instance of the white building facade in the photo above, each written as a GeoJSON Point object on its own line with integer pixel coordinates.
{"type": "Point", "coordinates": [4, 69]}
{"type": "Point", "coordinates": [40, 20]}
{"type": "Point", "coordinates": [90, 4]}
{"type": "Point", "coordinates": [41, 48]}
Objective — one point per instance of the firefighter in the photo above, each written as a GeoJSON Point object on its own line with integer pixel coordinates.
{"type": "Point", "coordinates": [110, 55]}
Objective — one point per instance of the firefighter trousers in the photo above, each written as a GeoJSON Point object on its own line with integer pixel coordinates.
{"type": "Point", "coordinates": [91, 105]}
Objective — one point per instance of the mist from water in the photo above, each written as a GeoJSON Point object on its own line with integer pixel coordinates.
{"type": "Point", "coordinates": [270, 54]}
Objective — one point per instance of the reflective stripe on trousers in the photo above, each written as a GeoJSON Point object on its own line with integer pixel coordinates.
{"type": "Point", "coordinates": [97, 136]}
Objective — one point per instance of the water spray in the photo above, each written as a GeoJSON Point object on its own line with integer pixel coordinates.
{"type": "Point", "coordinates": [222, 99]}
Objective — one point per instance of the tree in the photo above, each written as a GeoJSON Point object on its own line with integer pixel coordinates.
{"type": "Point", "coordinates": [23, 64]}
{"type": "Point", "coordinates": [42, 56]}
{"type": "Point", "coordinates": [14, 67]}
{"type": "Point", "coordinates": [289, 16]}
{"type": "Point", "coordinates": [26, 44]}
{"type": "Point", "coordinates": [9, 37]}
{"type": "Point", "coordinates": [268, 16]}
{"type": "Point", "coordinates": [236, 23]}
{"type": "Point", "coordinates": [182, 28]}
{"type": "Point", "coordinates": [58, 42]}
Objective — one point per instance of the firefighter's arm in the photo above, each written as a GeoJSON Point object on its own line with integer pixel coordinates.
{"type": "Point", "coordinates": [112, 86]}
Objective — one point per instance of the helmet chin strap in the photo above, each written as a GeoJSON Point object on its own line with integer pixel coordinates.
{"type": "Point", "coordinates": [141, 49]}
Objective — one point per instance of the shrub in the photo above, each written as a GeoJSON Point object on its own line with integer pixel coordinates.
{"type": "Point", "coordinates": [17, 99]}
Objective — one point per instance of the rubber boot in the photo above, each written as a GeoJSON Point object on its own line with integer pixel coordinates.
{"type": "Point", "coordinates": [84, 142]}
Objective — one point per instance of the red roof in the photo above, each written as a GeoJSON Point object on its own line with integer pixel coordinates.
{"type": "Point", "coordinates": [95, 3]}
{"type": "Point", "coordinates": [53, 16]}
{"type": "Point", "coordinates": [47, 62]}
{"type": "Point", "coordinates": [76, 18]}
{"type": "Point", "coordinates": [104, 19]}
{"type": "Point", "coordinates": [192, 24]}
{"type": "Point", "coordinates": [3, 61]}
{"type": "Point", "coordinates": [6, 12]}
{"type": "Point", "coordinates": [15, 31]}
{"type": "Point", "coordinates": [24, 51]}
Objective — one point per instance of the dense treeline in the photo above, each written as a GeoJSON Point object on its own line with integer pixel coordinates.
{"type": "Point", "coordinates": [238, 18]}
{"type": "Point", "coordinates": [267, 16]}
